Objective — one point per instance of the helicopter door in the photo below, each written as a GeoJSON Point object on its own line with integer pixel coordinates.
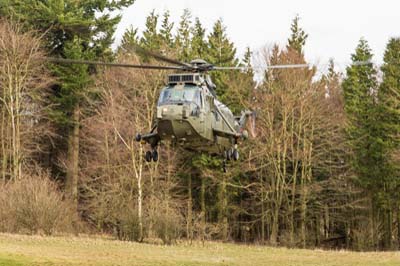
{"type": "Point", "coordinates": [209, 122]}
{"type": "Point", "coordinates": [201, 113]}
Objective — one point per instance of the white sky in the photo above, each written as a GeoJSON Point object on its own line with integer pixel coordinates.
{"type": "Point", "coordinates": [334, 26]}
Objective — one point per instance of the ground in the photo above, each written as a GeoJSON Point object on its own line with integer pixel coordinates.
{"type": "Point", "coordinates": [37, 250]}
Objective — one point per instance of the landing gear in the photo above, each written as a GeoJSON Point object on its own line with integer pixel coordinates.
{"type": "Point", "coordinates": [235, 154]}
{"type": "Point", "coordinates": [148, 156]}
{"type": "Point", "coordinates": [155, 155]}
{"type": "Point", "coordinates": [230, 154]}
{"type": "Point", "coordinates": [151, 155]}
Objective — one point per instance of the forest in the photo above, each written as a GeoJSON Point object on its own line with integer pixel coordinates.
{"type": "Point", "coordinates": [322, 169]}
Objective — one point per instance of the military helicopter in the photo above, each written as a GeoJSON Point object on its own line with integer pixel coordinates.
{"type": "Point", "coordinates": [188, 113]}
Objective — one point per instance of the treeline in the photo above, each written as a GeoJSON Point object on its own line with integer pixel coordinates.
{"type": "Point", "coordinates": [321, 171]}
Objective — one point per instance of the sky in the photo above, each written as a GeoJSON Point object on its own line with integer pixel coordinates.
{"type": "Point", "coordinates": [334, 27]}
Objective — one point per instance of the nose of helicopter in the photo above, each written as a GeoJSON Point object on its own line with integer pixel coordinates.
{"type": "Point", "coordinates": [173, 122]}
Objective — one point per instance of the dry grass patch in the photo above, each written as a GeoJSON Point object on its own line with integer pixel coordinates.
{"type": "Point", "coordinates": [38, 250]}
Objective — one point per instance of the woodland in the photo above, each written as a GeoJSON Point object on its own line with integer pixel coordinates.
{"type": "Point", "coordinates": [322, 169]}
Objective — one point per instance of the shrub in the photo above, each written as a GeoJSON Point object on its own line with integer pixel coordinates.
{"type": "Point", "coordinates": [34, 205]}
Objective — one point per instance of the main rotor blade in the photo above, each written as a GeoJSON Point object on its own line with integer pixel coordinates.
{"type": "Point", "coordinates": [162, 58]}
{"type": "Point", "coordinates": [267, 67]}
{"type": "Point", "coordinates": [87, 62]}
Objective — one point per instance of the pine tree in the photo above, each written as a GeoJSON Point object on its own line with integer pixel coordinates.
{"type": "Point", "coordinates": [69, 96]}
{"type": "Point", "coordinates": [298, 36]}
{"type": "Point", "coordinates": [129, 40]}
{"type": "Point", "coordinates": [246, 62]}
{"type": "Point", "coordinates": [358, 89]}
{"type": "Point", "coordinates": [183, 37]}
{"type": "Point", "coordinates": [389, 92]}
{"type": "Point", "coordinates": [365, 135]}
{"type": "Point", "coordinates": [166, 30]}
{"type": "Point", "coordinates": [389, 136]}
{"type": "Point", "coordinates": [221, 52]}
{"type": "Point", "coordinates": [199, 44]}
{"type": "Point", "coordinates": [151, 39]}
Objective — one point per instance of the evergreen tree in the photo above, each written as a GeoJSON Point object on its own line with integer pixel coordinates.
{"type": "Point", "coordinates": [183, 37]}
{"type": "Point", "coordinates": [199, 44]}
{"type": "Point", "coordinates": [91, 21]}
{"type": "Point", "coordinates": [221, 52]}
{"type": "Point", "coordinates": [129, 40]}
{"type": "Point", "coordinates": [358, 88]}
{"type": "Point", "coordinates": [166, 30]}
{"type": "Point", "coordinates": [151, 39]}
{"type": "Point", "coordinates": [298, 36]}
{"type": "Point", "coordinates": [389, 135]}
{"type": "Point", "coordinates": [246, 62]}
{"type": "Point", "coordinates": [367, 139]}
{"type": "Point", "coordinates": [389, 92]}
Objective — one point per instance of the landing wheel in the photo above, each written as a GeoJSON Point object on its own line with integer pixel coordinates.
{"type": "Point", "coordinates": [235, 154]}
{"type": "Point", "coordinates": [228, 154]}
{"type": "Point", "coordinates": [155, 155]}
{"type": "Point", "coordinates": [148, 156]}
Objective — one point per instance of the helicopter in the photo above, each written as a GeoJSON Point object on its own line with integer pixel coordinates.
{"type": "Point", "coordinates": [189, 114]}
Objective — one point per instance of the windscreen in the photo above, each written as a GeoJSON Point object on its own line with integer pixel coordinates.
{"type": "Point", "coordinates": [190, 94]}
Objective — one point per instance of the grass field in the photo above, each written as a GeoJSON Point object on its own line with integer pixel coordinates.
{"type": "Point", "coordinates": [35, 250]}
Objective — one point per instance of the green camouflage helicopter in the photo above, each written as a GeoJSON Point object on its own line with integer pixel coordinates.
{"type": "Point", "coordinates": [189, 114]}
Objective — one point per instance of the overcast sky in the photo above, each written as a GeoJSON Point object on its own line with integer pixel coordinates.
{"type": "Point", "coordinates": [334, 27]}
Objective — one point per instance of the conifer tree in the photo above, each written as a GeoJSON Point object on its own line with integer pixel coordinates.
{"type": "Point", "coordinates": [199, 44]}
{"type": "Point", "coordinates": [166, 30]}
{"type": "Point", "coordinates": [221, 52]}
{"type": "Point", "coordinates": [366, 139]}
{"type": "Point", "coordinates": [298, 36]}
{"type": "Point", "coordinates": [389, 135]}
{"type": "Point", "coordinates": [358, 89]}
{"type": "Point", "coordinates": [389, 92]}
{"type": "Point", "coordinates": [129, 40]}
{"type": "Point", "coordinates": [183, 37]}
{"type": "Point", "coordinates": [151, 39]}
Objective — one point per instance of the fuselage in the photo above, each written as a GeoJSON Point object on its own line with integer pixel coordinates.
{"type": "Point", "coordinates": [186, 116]}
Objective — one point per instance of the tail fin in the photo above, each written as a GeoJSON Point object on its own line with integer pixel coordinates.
{"type": "Point", "coordinates": [247, 116]}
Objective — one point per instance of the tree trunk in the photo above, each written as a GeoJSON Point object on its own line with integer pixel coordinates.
{"type": "Point", "coordinates": [263, 215]}
{"type": "Point", "coordinates": [388, 229]}
{"type": "Point", "coordinates": [3, 146]}
{"type": "Point", "coordinates": [189, 219]}
{"type": "Point", "coordinates": [274, 227]}
{"type": "Point", "coordinates": [398, 227]}
{"type": "Point", "coordinates": [303, 213]}
{"type": "Point", "coordinates": [138, 168]}
{"type": "Point", "coordinates": [326, 222]}
{"type": "Point", "coordinates": [223, 205]}
{"type": "Point", "coordinates": [317, 230]}
{"type": "Point", "coordinates": [203, 208]}
{"type": "Point", "coordinates": [73, 158]}
{"type": "Point", "coordinates": [372, 223]}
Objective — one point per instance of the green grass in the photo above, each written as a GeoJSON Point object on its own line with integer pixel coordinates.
{"type": "Point", "coordinates": [18, 250]}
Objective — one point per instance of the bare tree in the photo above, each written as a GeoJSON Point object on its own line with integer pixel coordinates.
{"type": "Point", "coordinates": [114, 159]}
{"type": "Point", "coordinates": [23, 79]}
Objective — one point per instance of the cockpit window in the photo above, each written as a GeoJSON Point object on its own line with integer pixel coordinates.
{"type": "Point", "coordinates": [190, 94]}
